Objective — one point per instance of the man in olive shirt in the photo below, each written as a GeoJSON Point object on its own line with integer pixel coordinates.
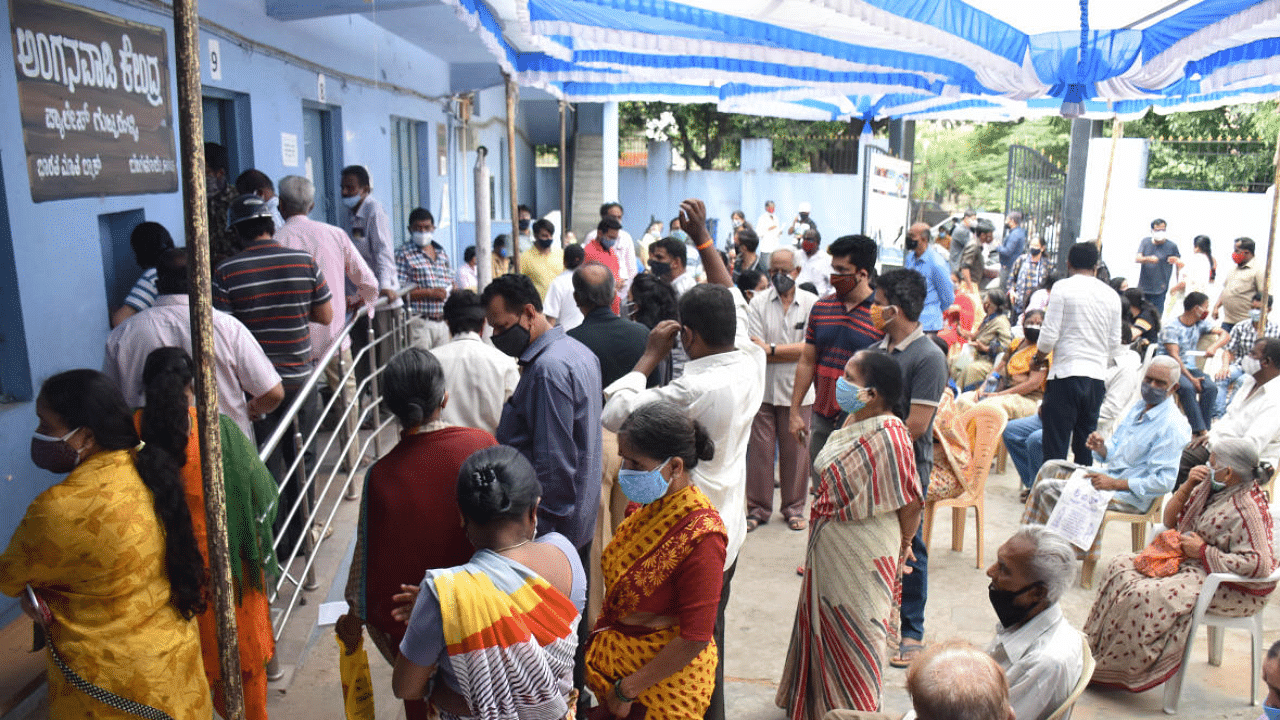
{"type": "Point", "coordinates": [1241, 285]}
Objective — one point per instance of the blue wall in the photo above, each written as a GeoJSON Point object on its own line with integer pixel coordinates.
{"type": "Point", "coordinates": [57, 252]}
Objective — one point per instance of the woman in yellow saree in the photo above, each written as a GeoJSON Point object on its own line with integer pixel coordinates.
{"type": "Point", "coordinates": [651, 654]}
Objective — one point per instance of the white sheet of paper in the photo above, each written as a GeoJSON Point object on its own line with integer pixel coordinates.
{"type": "Point", "coordinates": [1079, 511]}
{"type": "Point", "coordinates": [331, 611]}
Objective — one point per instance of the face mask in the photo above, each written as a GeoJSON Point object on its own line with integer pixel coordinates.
{"type": "Point", "coordinates": [512, 341]}
{"type": "Point", "coordinates": [1031, 333]}
{"type": "Point", "coordinates": [351, 202]}
{"type": "Point", "coordinates": [544, 244]}
{"type": "Point", "coordinates": [273, 205]}
{"type": "Point", "coordinates": [844, 284]}
{"type": "Point", "coordinates": [1158, 236]}
{"type": "Point", "coordinates": [420, 238]}
{"type": "Point", "coordinates": [606, 243]}
{"type": "Point", "coordinates": [1250, 365]}
{"type": "Point", "coordinates": [878, 316]}
{"type": "Point", "coordinates": [1035, 252]}
{"type": "Point", "coordinates": [680, 235]}
{"type": "Point", "coordinates": [783, 282]}
{"type": "Point", "coordinates": [1214, 483]}
{"type": "Point", "coordinates": [912, 243]}
{"type": "Point", "coordinates": [502, 252]}
{"type": "Point", "coordinates": [1002, 601]}
{"type": "Point", "coordinates": [1153, 395]}
{"type": "Point", "coordinates": [54, 454]}
{"type": "Point", "coordinates": [809, 247]}
{"type": "Point", "coordinates": [524, 224]}
{"type": "Point", "coordinates": [643, 486]}
{"type": "Point", "coordinates": [804, 216]}
{"type": "Point", "coordinates": [737, 222]}
{"type": "Point", "coordinates": [661, 269]}
{"type": "Point", "coordinates": [847, 396]}
{"type": "Point", "coordinates": [1270, 712]}
{"type": "Point", "coordinates": [1255, 315]}
{"type": "Point", "coordinates": [1239, 258]}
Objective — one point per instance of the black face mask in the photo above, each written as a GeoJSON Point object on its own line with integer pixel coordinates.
{"type": "Point", "coordinates": [912, 243]}
{"type": "Point", "coordinates": [512, 341]}
{"type": "Point", "coordinates": [1007, 612]}
{"type": "Point", "coordinates": [544, 244]}
{"type": "Point", "coordinates": [783, 282]}
{"type": "Point", "coordinates": [1032, 334]}
{"type": "Point", "coordinates": [659, 268]}
{"type": "Point", "coordinates": [524, 224]}
{"type": "Point", "coordinates": [1035, 252]}
{"type": "Point", "coordinates": [54, 454]}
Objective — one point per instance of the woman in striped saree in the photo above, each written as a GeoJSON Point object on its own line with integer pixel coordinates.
{"type": "Point", "coordinates": [861, 525]}
{"type": "Point", "coordinates": [500, 631]}
{"type": "Point", "coordinates": [652, 654]}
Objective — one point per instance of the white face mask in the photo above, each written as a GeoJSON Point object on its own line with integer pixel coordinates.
{"type": "Point", "coordinates": [1250, 365]}
{"type": "Point", "coordinates": [273, 205]}
{"type": "Point", "coordinates": [421, 238]}
{"type": "Point", "coordinates": [1158, 235]}
{"type": "Point", "coordinates": [352, 201]}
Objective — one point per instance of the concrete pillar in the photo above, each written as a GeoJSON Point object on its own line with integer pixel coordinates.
{"type": "Point", "coordinates": [757, 161]}
{"type": "Point", "coordinates": [1082, 131]}
{"type": "Point", "coordinates": [657, 183]}
{"type": "Point", "coordinates": [609, 150]}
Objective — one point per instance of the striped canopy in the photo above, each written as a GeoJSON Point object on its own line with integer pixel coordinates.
{"type": "Point", "coordinates": [870, 59]}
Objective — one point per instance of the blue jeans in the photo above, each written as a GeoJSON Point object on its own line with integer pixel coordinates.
{"type": "Point", "coordinates": [1199, 410]}
{"type": "Point", "coordinates": [915, 587]}
{"type": "Point", "coordinates": [1023, 438]}
{"type": "Point", "coordinates": [1224, 389]}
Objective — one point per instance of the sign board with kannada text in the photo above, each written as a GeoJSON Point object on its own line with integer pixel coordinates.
{"type": "Point", "coordinates": [95, 102]}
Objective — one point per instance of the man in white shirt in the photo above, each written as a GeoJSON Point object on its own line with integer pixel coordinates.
{"type": "Point", "coordinates": [1082, 331]}
{"type": "Point", "coordinates": [1039, 651]}
{"type": "Point", "coordinates": [776, 320]}
{"type": "Point", "coordinates": [815, 264]}
{"type": "Point", "coordinates": [667, 258]}
{"type": "Point", "coordinates": [559, 306]}
{"type": "Point", "coordinates": [722, 387]}
{"type": "Point", "coordinates": [769, 228]}
{"type": "Point", "coordinates": [1254, 412]}
{"type": "Point", "coordinates": [241, 366]}
{"type": "Point", "coordinates": [478, 377]}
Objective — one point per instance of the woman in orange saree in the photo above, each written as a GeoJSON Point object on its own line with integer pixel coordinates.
{"type": "Point", "coordinates": [651, 654]}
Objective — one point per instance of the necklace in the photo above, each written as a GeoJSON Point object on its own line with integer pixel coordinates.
{"type": "Point", "coordinates": [512, 547]}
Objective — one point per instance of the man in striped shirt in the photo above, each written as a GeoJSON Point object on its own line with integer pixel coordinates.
{"type": "Point", "coordinates": [839, 326]}
{"type": "Point", "coordinates": [276, 292]}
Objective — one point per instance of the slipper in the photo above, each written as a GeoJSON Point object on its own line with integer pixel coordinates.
{"type": "Point", "coordinates": [797, 523]}
{"type": "Point", "coordinates": [752, 523]}
{"type": "Point", "coordinates": [800, 570]}
{"type": "Point", "coordinates": [907, 651]}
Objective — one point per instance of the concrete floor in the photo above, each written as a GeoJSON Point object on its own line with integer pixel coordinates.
{"type": "Point", "coordinates": [760, 616]}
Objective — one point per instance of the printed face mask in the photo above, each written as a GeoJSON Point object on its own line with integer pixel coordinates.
{"type": "Point", "coordinates": [849, 396]}
{"type": "Point", "coordinates": [644, 486]}
{"type": "Point", "coordinates": [880, 315]}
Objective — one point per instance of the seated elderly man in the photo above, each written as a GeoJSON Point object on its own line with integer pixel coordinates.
{"type": "Point", "coordinates": [1140, 459]}
{"type": "Point", "coordinates": [1040, 653]}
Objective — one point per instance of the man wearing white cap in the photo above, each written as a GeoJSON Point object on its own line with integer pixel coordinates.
{"type": "Point", "coordinates": [802, 222]}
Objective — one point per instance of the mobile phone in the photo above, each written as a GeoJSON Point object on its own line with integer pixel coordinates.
{"type": "Point", "coordinates": [44, 615]}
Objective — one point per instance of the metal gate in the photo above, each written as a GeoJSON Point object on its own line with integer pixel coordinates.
{"type": "Point", "coordinates": [1036, 186]}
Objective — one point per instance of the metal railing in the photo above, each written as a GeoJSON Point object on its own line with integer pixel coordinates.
{"type": "Point", "coordinates": [324, 466]}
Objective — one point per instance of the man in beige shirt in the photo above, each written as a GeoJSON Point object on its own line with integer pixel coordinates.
{"type": "Point", "coordinates": [1241, 285]}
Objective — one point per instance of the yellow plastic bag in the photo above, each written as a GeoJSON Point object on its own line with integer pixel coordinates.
{"type": "Point", "coordinates": [357, 687]}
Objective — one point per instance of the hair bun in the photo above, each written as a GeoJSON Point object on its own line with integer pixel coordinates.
{"type": "Point", "coordinates": [484, 477]}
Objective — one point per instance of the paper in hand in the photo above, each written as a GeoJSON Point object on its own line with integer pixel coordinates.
{"type": "Point", "coordinates": [1079, 511]}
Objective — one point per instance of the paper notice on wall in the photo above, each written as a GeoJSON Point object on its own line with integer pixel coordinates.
{"type": "Point", "coordinates": [1079, 511]}
{"type": "Point", "coordinates": [289, 149]}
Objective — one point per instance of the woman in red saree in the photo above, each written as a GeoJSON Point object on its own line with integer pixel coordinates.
{"type": "Point", "coordinates": [651, 654]}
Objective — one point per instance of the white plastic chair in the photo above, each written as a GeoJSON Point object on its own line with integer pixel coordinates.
{"type": "Point", "coordinates": [1216, 624]}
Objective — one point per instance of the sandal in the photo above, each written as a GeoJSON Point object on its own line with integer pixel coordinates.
{"type": "Point", "coordinates": [752, 523]}
{"type": "Point", "coordinates": [907, 651]}
{"type": "Point", "coordinates": [797, 523]}
{"type": "Point", "coordinates": [800, 570]}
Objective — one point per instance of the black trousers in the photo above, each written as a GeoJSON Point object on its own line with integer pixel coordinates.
{"type": "Point", "coordinates": [715, 711]}
{"type": "Point", "coordinates": [1070, 413]}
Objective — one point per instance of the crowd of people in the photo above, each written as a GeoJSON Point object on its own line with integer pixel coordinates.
{"type": "Point", "coordinates": [605, 418]}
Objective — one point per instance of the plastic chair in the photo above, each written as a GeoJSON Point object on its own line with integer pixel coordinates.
{"type": "Point", "coordinates": [1138, 528]}
{"type": "Point", "coordinates": [1216, 623]}
{"type": "Point", "coordinates": [1086, 673]}
{"type": "Point", "coordinates": [982, 424]}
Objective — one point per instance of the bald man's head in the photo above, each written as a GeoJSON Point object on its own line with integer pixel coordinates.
{"type": "Point", "coordinates": [593, 287]}
{"type": "Point", "coordinates": [956, 681]}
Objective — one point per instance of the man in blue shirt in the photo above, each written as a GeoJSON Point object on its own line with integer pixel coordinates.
{"type": "Point", "coordinates": [1013, 245]}
{"type": "Point", "coordinates": [1139, 462]}
{"type": "Point", "coordinates": [937, 277]}
{"type": "Point", "coordinates": [553, 417]}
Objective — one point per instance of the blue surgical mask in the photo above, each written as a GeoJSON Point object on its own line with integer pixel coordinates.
{"type": "Point", "coordinates": [606, 243]}
{"type": "Point", "coordinates": [643, 486]}
{"type": "Point", "coordinates": [1271, 713]}
{"type": "Point", "coordinates": [680, 235]}
{"type": "Point", "coordinates": [847, 396]}
{"type": "Point", "coordinates": [351, 202]}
